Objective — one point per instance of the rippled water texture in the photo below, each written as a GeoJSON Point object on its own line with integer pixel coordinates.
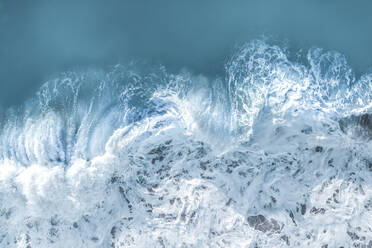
{"type": "Point", "coordinates": [276, 154]}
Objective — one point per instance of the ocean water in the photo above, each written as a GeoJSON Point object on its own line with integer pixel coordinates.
{"type": "Point", "coordinates": [275, 154]}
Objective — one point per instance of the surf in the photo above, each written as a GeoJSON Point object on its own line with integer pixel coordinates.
{"type": "Point", "coordinates": [274, 154]}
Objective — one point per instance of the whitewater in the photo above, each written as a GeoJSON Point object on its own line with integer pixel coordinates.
{"type": "Point", "coordinates": [275, 154]}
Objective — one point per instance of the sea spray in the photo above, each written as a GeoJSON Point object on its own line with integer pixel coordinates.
{"type": "Point", "coordinates": [275, 154]}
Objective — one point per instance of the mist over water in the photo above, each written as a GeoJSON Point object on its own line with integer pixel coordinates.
{"type": "Point", "coordinates": [170, 124]}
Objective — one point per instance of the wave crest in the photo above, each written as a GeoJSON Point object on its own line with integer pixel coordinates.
{"type": "Point", "coordinates": [136, 156]}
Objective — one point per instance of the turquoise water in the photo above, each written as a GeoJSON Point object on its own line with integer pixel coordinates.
{"type": "Point", "coordinates": [41, 39]}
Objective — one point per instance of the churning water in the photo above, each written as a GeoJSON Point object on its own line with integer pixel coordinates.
{"type": "Point", "coordinates": [275, 154]}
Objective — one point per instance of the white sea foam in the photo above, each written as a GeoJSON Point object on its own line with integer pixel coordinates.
{"type": "Point", "coordinates": [277, 154]}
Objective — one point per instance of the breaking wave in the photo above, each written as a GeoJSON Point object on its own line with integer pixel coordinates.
{"type": "Point", "coordinates": [276, 154]}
